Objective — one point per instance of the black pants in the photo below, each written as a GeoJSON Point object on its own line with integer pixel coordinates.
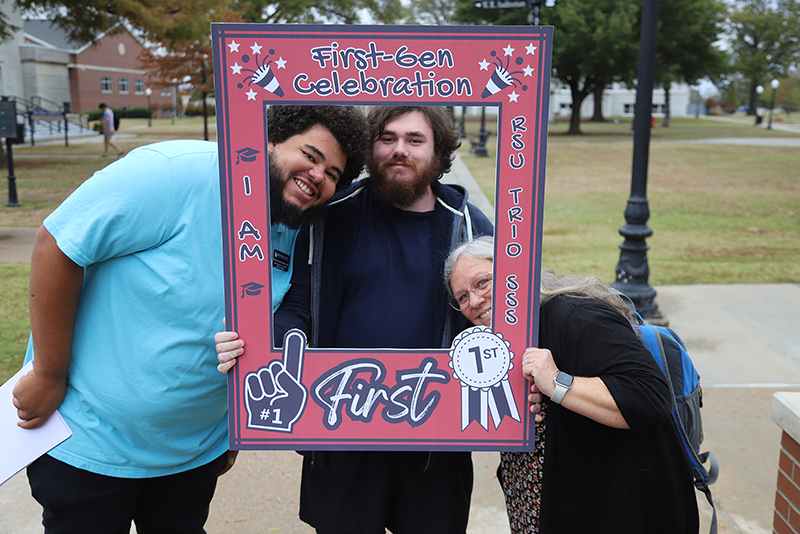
{"type": "Point", "coordinates": [77, 501]}
{"type": "Point", "coordinates": [367, 492]}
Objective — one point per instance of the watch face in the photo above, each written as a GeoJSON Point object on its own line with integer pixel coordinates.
{"type": "Point", "coordinates": [564, 379]}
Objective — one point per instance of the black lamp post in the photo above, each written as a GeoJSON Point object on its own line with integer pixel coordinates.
{"type": "Point", "coordinates": [483, 136]}
{"type": "Point", "coordinates": [149, 92]}
{"type": "Point", "coordinates": [10, 129]}
{"type": "Point", "coordinates": [632, 271]}
{"type": "Point", "coordinates": [774, 84]}
{"type": "Point", "coordinates": [13, 202]}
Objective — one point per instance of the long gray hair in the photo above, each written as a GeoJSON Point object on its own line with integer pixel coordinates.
{"type": "Point", "coordinates": [550, 285]}
{"type": "Point", "coordinates": [582, 287]}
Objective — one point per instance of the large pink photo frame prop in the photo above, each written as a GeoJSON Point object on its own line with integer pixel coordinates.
{"type": "Point", "coordinates": [470, 397]}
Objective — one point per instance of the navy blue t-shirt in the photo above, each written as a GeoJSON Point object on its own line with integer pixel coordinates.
{"type": "Point", "coordinates": [387, 300]}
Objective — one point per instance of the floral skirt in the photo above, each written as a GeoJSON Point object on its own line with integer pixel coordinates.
{"type": "Point", "coordinates": [520, 476]}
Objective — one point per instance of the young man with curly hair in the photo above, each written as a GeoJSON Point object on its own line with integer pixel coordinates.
{"type": "Point", "coordinates": [126, 291]}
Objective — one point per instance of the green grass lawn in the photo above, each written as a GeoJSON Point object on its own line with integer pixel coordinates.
{"type": "Point", "coordinates": [14, 310]}
{"type": "Point", "coordinates": [720, 214]}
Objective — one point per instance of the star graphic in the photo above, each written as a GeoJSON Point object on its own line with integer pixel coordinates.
{"type": "Point", "coordinates": [484, 64]}
{"type": "Point", "coordinates": [528, 70]}
{"type": "Point", "coordinates": [530, 49]}
{"type": "Point", "coordinates": [256, 48]}
{"type": "Point", "coordinates": [281, 63]}
{"type": "Point", "coordinates": [251, 95]}
{"type": "Point", "coordinates": [512, 97]}
{"type": "Point", "coordinates": [508, 50]}
{"type": "Point", "coordinates": [237, 69]}
{"type": "Point", "coordinates": [234, 46]}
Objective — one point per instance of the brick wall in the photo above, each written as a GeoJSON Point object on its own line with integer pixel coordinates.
{"type": "Point", "coordinates": [787, 496]}
{"type": "Point", "coordinates": [786, 412]}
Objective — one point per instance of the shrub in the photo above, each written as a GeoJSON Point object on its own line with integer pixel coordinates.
{"type": "Point", "coordinates": [195, 109]}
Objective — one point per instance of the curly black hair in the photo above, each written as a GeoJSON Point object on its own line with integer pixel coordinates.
{"type": "Point", "coordinates": [347, 124]}
{"type": "Point", "coordinates": [445, 137]}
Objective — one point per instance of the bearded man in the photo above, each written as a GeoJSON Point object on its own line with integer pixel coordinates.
{"type": "Point", "coordinates": [377, 282]}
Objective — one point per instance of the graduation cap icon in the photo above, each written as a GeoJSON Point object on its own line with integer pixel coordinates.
{"type": "Point", "coordinates": [252, 289]}
{"type": "Point", "coordinates": [246, 154]}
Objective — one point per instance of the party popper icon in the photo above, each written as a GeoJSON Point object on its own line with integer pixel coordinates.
{"type": "Point", "coordinates": [501, 77]}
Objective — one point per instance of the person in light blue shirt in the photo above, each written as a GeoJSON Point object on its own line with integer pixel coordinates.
{"type": "Point", "coordinates": [126, 290]}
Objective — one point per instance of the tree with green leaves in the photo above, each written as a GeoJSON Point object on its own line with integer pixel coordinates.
{"type": "Point", "coordinates": [180, 20]}
{"type": "Point", "coordinates": [84, 20]}
{"type": "Point", "coordinates": [765, 41]}
{"type": "Point", "coordinates": [434, 12]}
{"type": "Point", "coordinates": [788, 95]}
{"type": "Point", "coordinates": [321, 11]}
{"type": "Point", "coordinates": [595, 42]}
{"type": "Point", "coordinates": [685, 46]}
{"type": "Point", "coordinates": [6, 28]}
{"type": "Point", "coordinates": [189, 59]}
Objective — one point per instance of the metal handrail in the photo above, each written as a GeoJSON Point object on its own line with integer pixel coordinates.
{"type": "Point", "coordinates": [37, 104]}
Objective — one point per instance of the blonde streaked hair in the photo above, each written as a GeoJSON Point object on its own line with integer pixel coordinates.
{"type": "Point", "coordinates": [582, 287]}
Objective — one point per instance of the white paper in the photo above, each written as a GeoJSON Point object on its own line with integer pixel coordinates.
{"type": "Point", "coordinates": [20, 447]}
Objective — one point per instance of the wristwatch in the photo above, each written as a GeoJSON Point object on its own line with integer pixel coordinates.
{"type": "Point", "coordinates": [563, 383]}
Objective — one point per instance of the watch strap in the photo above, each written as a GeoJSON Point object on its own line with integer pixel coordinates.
{"type": "Point", "coordinates": [561, 389]}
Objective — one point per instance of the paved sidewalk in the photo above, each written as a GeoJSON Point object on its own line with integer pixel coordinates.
{"type": "Point", "coordinates": [16, 244]}
{"type": "Point", "coordinates": [743, 339]}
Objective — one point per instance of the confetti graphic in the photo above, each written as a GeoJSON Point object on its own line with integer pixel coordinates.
{"type": "Point", "coordinates": [263, 75]}
{"type": "Point", "coordinates": [502, 77]}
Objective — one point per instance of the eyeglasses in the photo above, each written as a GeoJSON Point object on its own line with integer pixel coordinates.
{"type": "Point", "coordinates": [479, 288]}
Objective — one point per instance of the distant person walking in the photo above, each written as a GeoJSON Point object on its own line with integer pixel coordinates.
{"type": "Point", "coordinates": [108, 130]}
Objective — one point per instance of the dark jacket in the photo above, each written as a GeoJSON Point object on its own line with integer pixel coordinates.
{"type": "Point", "coordinates": [455, 221]}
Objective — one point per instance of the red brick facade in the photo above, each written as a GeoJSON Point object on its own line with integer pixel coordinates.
{"type": "Point", "coordinates": [113, 57]}
{"type": "Point", "coordinates": [787, 495]}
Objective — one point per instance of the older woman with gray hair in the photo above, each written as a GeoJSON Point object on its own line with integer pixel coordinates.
{"type": "Point", "coordinates": [607, 458]}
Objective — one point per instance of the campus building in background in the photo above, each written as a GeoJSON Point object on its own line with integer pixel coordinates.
{"type": "Point", "coordinates": [86, 74]}
{"type": "Point", "coordinates": [619, 102]}
{"type": "Point", "coordinates": [41, 65]}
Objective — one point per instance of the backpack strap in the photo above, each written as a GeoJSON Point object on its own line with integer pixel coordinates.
{"type": "Point", "coordinates": [713, 465]}
{"type": "Point", "coordinates": [701, 485]}
{"type": "Point", "coordinates": [651, 337]}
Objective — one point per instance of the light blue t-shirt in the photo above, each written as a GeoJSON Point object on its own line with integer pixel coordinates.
{"type": "Point", "coordinates": [144, 397]}
{"type": "Point", "coordinates": [283, 240]}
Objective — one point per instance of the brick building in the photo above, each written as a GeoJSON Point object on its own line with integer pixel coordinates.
{"type": "Point", "coordinates": [83, 75]}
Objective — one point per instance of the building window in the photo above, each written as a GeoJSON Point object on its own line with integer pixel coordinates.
{"type": "Point", "coordinates": [123, 86]}
{"type": "Point", "coordinates": [629, 109]}
{"type": "Point", "coordinates": [105, 85]}
{"type": "Point", "coordinates": [166, 91]}
{"type": "Point", "coordinates": [658, 108]}
{"type": "Point", "coordinates": [138, 86]}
